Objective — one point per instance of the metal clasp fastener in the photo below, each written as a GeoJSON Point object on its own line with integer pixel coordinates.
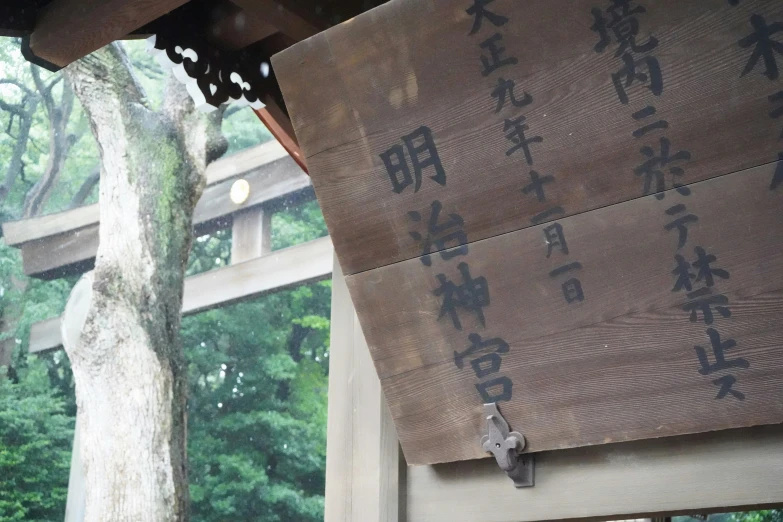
{"type": "Point", "coordinates": [506, 446]}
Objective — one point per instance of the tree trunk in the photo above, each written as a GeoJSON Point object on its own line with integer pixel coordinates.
{"type": "Point", "coordinates": [127, 361]}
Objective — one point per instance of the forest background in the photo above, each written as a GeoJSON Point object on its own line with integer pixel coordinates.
{"type": "Point", "coordinates": [257, 370]}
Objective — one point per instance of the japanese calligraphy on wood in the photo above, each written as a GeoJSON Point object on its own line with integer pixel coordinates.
{"type": "Point", "coordinates": [575, 213]}
{"type": "Point", "coordinates": [418, 65]}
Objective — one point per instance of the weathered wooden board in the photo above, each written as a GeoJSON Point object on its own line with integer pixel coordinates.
{"type": "Point", "coordinates": [298, 265]}
{"type": "Point", "coordinates": [244, 162]}
{"type": "Point", "coordinates": [72, 250]}
{"type": "Point", "coordinates": [619, 365]}
{"type": "Point", "coordinates": [66, 30]}
{"type": "Point", "coordinates": [412, 63]}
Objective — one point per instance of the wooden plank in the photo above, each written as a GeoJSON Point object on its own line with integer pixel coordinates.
{"type": "Point", "coordinates": [298, 265]}
{"type": "Point", "coordinates": [409, 64]}
{"type": "Point", "coordinates": [58, 256]}
{"type": "Point", "coordinates": [244, 161]}
{"type": "Point", "coordinates": [619, 365]}
{"type": "Point", "coordinates": [67, 30]}
{"type": "Point", "coordinates": [45, 335]}
{"type": "Point", "coordinates": [279, 179]}
{"type": "Point", "coordinates": [74, 251]}
{"type": "Point", "coordinates": [281, 17]}
{"type": "Point", "coordinates": [362, 474]}
{"type": "Point", "coordinates": [716, 472]}
{"type": "Point", "coordinates": [251, 235]}
{"type": "Point", "coordinates": [17, 232]}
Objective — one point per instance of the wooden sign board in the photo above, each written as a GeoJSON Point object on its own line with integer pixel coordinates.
{"type": "Point", "coordinates": [574, 212]}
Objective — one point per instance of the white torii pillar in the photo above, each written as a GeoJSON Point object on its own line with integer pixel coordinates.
{"type": "Point", "coordinates": [73, 320]}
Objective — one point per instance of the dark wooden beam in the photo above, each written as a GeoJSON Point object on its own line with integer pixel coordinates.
{"type": "Point", "coordinates": [233, 28]}
{"type": "Point", "coordinates": [294, 24]}
{"type": "Point", "coordinates": [67, 30]}
{"type": "Point", "coordinates": [17, 17]}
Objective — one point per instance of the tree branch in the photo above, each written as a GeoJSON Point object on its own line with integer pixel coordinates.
{"type": "Point", "coordinates": [60, 143]}
{"type": "Point", "coordinates": [18, 84]}
{"type": "Point", "coordinates": [43, 92]}
{"type": "Point", "coordinates": [16, 165]}
{"type": "Point", "coordinates": [86, 188]}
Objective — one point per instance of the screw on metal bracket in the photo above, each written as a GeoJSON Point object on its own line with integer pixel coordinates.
{"type": "Point", "coordinates": [505, 445]}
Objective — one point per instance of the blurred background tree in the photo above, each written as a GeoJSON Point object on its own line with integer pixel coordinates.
{"type": "Point", "coordinates": [258, 370]}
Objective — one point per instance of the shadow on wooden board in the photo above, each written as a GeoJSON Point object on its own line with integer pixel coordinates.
{"type": "Point", "coordinates": [710, 472]}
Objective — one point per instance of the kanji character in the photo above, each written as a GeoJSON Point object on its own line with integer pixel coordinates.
{"type": "Point", "coordinates": [536, 185]}
{"type": "Point", "coordinates": [486, 390]}
{"type": "Point", "coordinates": [543, 216]}
{"type": "Point", "coordinates": [765, 46]}
{"type": "Point", "coordinates": [472, 296]}
{"type": "Point", "coordinates": [646, 113]}
{"type": "Point", "coordinates": [684, 275]}
{"type": "Point", "coordinates": [706, 272]}
{"type": "Point", "coordinates": [624, 25]}
{"type": "Point", "coordinates": [681, 223]}
{"type": "Point", "coordinates": [555, 238]}
{"type": "Point", "coordinates": [704, 301]}
{"type": "Point", "coordinates": [480, 12]}
{"type": "Point", "coordinates": [651, 169]}
{"type": "Point", "coordinates": [495, 60]}
{"type": "Point", "coordinates": [726, 382]}
{"type": "Point", "coordinates": [397, 164]}
{"type": "Point", "coordinates": [718, 350]}
{"type": "Point", "coordinates": [630, 73]}
{"type": "Point", "coordinates": [516, 134]}
{"type": "Point", "coordinates": [440, 235]}
{"type": "Point", "coordinates": [506, 88]}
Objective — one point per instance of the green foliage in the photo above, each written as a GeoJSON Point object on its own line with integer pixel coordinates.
{"type": "Point", "coordinates": [768, 515]}
{"type": "Point", "coordinates": [258, 383]}
{"type": "Point", "coordinates": [35, 448]}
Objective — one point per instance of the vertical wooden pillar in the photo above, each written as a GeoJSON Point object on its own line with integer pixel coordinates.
{"type": "Point", "coordinates": [251, 235]}
{"type": "Point", "coordinates": [362, 460]}
{"type": "Point", "coordinates": [6, 352]}
{"type": "Point", "coordinates": [6, 346]}
{"type": "Point", "coordinates": [74, 507]}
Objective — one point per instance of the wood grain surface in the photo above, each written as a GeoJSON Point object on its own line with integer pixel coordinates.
{"type": "Point", "coordinates": [620, 365]}
{"type": "Point", "coordinates": [412, 63]}
{"type": "Point", "coordinates": [298, 265]}
{"type": "Point", "coordinates": [72, 250]}
{"type": "Point", "coordinates": [66, 30]}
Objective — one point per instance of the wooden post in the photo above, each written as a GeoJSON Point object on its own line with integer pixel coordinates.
{"type": "Point", "coordinates": [362, 460]}
{"type": "Point", "coordinates": [251, 235]}
{"type": "Point", "coordinates": [74, 507]}
{"type": "Point", "coordinates": [70, 327]}
{"type": "Point", "coordinates": [6, 351]}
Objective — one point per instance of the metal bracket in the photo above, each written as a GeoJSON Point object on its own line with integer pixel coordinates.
{"type": "Point", "coordinates": [506, 446]}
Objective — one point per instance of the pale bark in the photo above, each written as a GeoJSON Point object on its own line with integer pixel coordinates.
{"type": "Point", "coordinates": [127, 361]}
